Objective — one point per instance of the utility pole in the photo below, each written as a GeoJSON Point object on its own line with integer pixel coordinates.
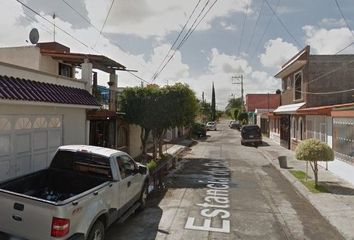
{"type": "Point", "coordinates": [234, 81]}
{"type": "Point", "coordinates": [54, 25]}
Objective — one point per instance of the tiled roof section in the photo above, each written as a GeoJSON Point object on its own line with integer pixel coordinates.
{"type": "Point", "coordinates": [27, 90]}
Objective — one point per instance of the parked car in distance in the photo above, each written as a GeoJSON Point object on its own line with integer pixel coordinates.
{"type": "Point", "coordinates": [84, 191]}
{"type": "Point", "coordinates": [199, 129]}
{"type": "Point", "coordinates": [235, 125]}
{"type": "Point", "coordinates": [211, 126]}
{"type": "Point", "coordinates": [251, 134]}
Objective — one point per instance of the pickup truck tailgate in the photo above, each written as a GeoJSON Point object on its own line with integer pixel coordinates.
{"type": "Point", "coordinates": [21, 216]}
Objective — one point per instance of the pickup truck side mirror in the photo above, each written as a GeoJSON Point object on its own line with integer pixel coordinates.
{"type": "Point", "coordinates": [142, 170]}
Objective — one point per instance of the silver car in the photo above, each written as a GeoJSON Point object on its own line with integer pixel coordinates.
{"type": "Point", "coordinates": [211, 126]}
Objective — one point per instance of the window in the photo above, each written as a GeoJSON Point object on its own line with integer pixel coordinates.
{"type": "Point", "coordinates": [298, 86]}
{"type": "Point", "coordinates": [284, 83]}
{"type": "Point", "coordinates": [65, 70]}
{"type": "Point", "coordinates": [126, 166]}
{"type": "Point", "coordinates": [301, 129]}
{"type": "Point", "coordinates": [294, 125]}
{"type": "Point", "coordinates": [288, 83]}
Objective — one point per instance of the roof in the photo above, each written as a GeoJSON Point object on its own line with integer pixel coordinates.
{"type": "Point", "coordinates": [289, 109]}
{"type": "Point", "coordinates": [60, 52]}
{"type": "Point", "coordinates": [98, 61]}
{"type": "Point", "coordinates": [295, 63]}
{"type": "Point", "coordinates": [325, 110]}
{"type": "Point", "coordinates": [262, 101]}
{"type": "Point", "coordinates": [28, 90]}
{"type": "Point", "coordinates": [106, 152]}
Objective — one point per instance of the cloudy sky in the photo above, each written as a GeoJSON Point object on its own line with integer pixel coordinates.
{"type": "Point", "coordinates": [236, 37]}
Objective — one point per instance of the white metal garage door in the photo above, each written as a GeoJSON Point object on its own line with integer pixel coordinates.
{"type": "Point", "coordinates": [27, 143]}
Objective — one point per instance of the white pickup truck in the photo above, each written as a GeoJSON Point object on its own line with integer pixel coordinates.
{"type": "Point", "coordinates": [85, 190]}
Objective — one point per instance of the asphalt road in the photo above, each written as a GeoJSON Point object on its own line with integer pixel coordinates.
{"type": "Point", "coordinates": [222, 190]}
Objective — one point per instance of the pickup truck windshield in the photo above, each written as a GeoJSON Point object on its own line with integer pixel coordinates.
{"type": "Point", "coordinates": [82, 162]}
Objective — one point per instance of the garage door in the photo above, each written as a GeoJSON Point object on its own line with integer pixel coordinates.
{"type": "Point", "coordinates": [27, 143]}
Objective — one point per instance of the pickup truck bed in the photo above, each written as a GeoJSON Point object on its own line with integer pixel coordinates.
{"type": "Point", "coordinates": [52, 184]}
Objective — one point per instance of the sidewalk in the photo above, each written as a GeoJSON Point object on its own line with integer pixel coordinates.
{"type": "Point", "coordinates": [337, 207]}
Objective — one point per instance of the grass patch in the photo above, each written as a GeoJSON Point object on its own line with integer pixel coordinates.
{"type": "Point", "coordinates": [310, 184]}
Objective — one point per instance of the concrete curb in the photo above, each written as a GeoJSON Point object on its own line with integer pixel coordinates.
{"type": "Point", "coordinates": [308, 195]}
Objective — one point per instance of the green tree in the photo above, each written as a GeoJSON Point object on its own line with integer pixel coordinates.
{"type": "Point", "coordinates": [158, 109]}
{"type": "Point", "coordinates": [313, 150]}
{"type": "Point", "coordinates": [138, 104]}
{"type": "Point", "coordinates": [243, 117]}
{"type": "Point", "coordinates": [235, 113]}
{"type": "Point", "coordinates": [213, 104]}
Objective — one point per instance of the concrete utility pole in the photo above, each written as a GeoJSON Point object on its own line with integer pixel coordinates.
{"type": "Point", "coordinates": [234, 78]}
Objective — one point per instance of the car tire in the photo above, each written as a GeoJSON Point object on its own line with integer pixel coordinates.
{"type": "Point", "coordinates": [97, 231]}
{"type": "Point", "coordinates": [143, 197]}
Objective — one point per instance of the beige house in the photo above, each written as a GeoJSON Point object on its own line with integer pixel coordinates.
{"type": "Point", "coordinates": [42, 105]}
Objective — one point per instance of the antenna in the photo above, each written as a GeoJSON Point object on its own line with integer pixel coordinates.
{"type": "Point", "coordinates": [34, 36]}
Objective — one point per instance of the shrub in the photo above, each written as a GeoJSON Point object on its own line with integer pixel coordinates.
{"type": "Point", "coordinates": [313, 150]}
{"type": "Point", "coordinates": [151, 165]}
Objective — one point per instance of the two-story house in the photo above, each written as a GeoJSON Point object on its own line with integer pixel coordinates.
{"type": "Point", "coordinates": [43, 105]}
{"type": "Point", "coordinates": [317, 102]}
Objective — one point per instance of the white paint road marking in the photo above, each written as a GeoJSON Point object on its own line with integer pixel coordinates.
{"type": "Point", "coordinates": [216, 203]}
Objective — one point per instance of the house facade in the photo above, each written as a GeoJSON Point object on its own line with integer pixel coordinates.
{"type": "Point", "coordinates": [258, 106]}
{"type": "Point", "coordinates": [318, 102]}
{"type": "Point", "coordinates": [39, 111]}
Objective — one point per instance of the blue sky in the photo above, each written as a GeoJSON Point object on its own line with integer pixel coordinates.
{"type": "Point", "coordinates": [217, 50]}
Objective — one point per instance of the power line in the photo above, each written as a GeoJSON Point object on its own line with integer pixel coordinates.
{"type": "Point", "coordinates": [35, 12]}
{"type": "Point", "coordinates": [265, 29]}
{"type": "Point", "coordinates": [140, 78]}
{"type": "Point", "coordinates": [189, 33]}
{"type": "Point", "coordinates": [243, 28]}
{"type": "Point", "coordinates": [255, 26]}
{"type": "Point", "coordinates": [345, 20]}
{"type": "Point", "coordinates": [82, 16]}
{"type": "Point", "coordinates": [182, 41]}
{"type": "Point", "coordinates": [282, 23]}
{"type": "Point", "coordinates": [105, 21]}
{"type": "Point", "coordinates": [64, 31]}
{"type": "Point", "coordinates": [180, 33]}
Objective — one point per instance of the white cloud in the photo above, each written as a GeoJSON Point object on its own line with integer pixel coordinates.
{"type": "Point", "coordinates": [228, 27]}
{"type": "Point", "coordinates": [277, 52]}
{"type": "Point", "coordinates": [220, 71]}
{"type": "Point", "coordinates": [324, 41]}
{"type": "Point", "coordinates": [332, 22]}
{"type": "Point", "coordinates": [157, 18]}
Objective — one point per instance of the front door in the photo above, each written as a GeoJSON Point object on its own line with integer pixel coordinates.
{"type": "Point", "coordinates": [285, 131]}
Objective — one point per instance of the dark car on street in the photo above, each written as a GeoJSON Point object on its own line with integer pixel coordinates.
{"type": "Point", "coordinates": [251, 134]}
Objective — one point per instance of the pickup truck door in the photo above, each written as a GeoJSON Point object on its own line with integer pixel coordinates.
{"type": "Point", "coordinates": [129, 171]}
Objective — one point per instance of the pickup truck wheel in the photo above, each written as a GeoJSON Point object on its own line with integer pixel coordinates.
{"type": "Point", "coordinates": [143, 197]}
{"type": "Point", "coordinates": [97, 231]}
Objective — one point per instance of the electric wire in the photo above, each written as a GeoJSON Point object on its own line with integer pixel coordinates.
{"type": "Point", "coordinates": [180, 33]}
{"type": "Point", "coordinates": [265, 30]}
{"type": "Point", "coordinates": [243, 28]}
{"type": "Point", "coordinates": [67, 33]}
{"type": "Point", "coordinates": [344, 18]}
{"type": "Point", "coordinates": [282, 23]}
{"type": "Point", "coordinates": [61, 29]}
{"type": "Point", "coordinates": [104, 23]}
{"type": "Point", "coordinates": [255, 27]}
{"type": "Point", "coordinates": [182, 41]}
{"type": "Point", "coordinates": [189, 33]}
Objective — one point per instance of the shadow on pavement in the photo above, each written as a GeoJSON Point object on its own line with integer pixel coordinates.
{"type": "Point", "coordinates": [143, 225]}
{"type": "Point", "coordinates": [335, 188]}
{"type": "Point", "coordinates": [196, 172]}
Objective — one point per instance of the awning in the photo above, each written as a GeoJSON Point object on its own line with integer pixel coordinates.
{"type": "Point", "coordinates": [289, 109]}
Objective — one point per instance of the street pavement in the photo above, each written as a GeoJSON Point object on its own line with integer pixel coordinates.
{"type": "Point", "coordinates": [223, 190]}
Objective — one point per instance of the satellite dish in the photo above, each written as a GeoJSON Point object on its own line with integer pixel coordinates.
{"type": "Point", "coordinates": [34, 36]}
